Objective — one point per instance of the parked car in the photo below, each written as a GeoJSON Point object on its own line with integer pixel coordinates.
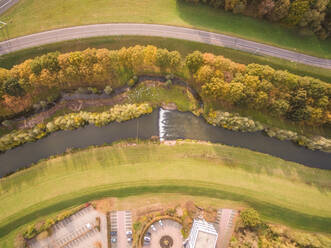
{"type": "Point", "coordinates": [113, 233]}
{"type": "Point", "coordinates": [129, 233]}
{"type": "Point", "coordinates": [153, 228]}
{"type": "Point", "coordinates": [148, 234]}
{"type": "Point", "coordinates": [161, 223]}
{"type": "Point", "coordinates": [147, 239]}
{"type": "Point", "coordinates": [113, 239]}
{"type": "Point", "coordinates": [89, 226]}
{"type": "Point", "coordinates": [130, 240]}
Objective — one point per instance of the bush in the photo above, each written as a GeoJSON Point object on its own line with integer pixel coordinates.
{"type": "Point", "coordinates": [92, 90]}
{"type": "Point", "coordinates": [233, 122]}
{"type": "Point", "coordinates": [250, 218]}
{"type": "Point", "coordinates": [81, 90]}
{"type": "Point", "coordinates": [132, 81]}
{"type": "Point", "coordinates": [30, 232]}
{"type": "Point", "coordinates": [108, 90]}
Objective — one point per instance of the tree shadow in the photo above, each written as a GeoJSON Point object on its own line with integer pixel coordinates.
{"type": "Point", "coordinates": [219, 20]}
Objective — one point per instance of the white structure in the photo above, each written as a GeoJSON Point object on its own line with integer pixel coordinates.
{"type": "Point", "coordinates": [203, 235]}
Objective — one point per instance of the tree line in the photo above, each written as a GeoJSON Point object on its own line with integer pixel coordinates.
{"type": "Point", "coordinates": [219, 81]}
{"type": "Point", "coordinates": [309, 15]}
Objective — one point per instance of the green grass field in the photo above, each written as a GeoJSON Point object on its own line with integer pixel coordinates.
{"type": "Point", "coordinates": [281, 191]}
{"type": "Point", "coordinates": [184, 47]}
{"type": "Point", "coordinates": [31, 16]}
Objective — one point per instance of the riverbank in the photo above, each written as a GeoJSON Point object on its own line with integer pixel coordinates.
{"type": "Point", "coordinates": [159, 94]}
{"type": "Point", "coordinates": [214, 171]}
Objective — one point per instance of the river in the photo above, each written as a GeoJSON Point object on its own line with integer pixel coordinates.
{"type": "Point", "coordinates": [168, 125]}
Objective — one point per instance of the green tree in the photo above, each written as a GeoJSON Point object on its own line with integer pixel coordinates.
{"type": "Point", "coordinates": [48, 61]}
{"type": "Point", "coordinates": [236, 92]}
{"type": "Point", "coordinates": [250, 218]}
{"type": "Point", "coordinates": [297, 10]}
{"type": "Point", "coordinates": [280, 11]}
{"type": "Point", "coordinates": [13, 87]}
{"type": "Point", "coordinates": [194, 61]}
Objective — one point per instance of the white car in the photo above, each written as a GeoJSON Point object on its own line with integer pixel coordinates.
{"type": "Point", "coordinates": [147, 239]}
{"type": "Point", "coordinates": [161, 223]}
{"type": "Point", "coordinates": [153, 228]}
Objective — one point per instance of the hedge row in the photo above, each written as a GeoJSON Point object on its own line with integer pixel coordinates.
{"type": "Point", "coordinates": [236, 123]}
{"type": "Point", "coordinates": [72, 121]}
{"type": "Point", "coordinates": [33, 230]}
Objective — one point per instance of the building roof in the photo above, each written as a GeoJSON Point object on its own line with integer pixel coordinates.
{"type": "Point", "coordinates": [203, 235]}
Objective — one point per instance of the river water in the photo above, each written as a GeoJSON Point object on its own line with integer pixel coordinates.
{"type": "Point", "coordinates": [169, 125]}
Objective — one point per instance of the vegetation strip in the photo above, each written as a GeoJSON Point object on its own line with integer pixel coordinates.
{"type": "Point", "coordinates": [26, 17]}
{"type": "Point", "coordinates": [220, 82]}
{"type": "Point", "coordinates": [183, 46]}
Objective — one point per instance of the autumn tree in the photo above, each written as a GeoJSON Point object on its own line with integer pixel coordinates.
{"type": "Point", "coordinates": [194, 61]}
{"type": "Point", "coordinates": [12, 87]}
{"type": "Point", "coordinates": [280, 10]}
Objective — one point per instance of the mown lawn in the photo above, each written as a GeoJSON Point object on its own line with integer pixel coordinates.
{"type": "Point", "coordinates": [31, 16]}
{"type": "Point", "coordinates": [183, 46]}
{"type": "Point", "coordinates": [281, 191]}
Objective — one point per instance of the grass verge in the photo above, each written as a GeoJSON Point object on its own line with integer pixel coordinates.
{"type": "Point", "coordinates": [183, 46]}
{"type": "Point", "coordinates": [281, 191]}
{"type": "Point", "coordinates": [34, 16]}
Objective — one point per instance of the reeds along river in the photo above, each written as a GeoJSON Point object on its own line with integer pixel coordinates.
{"type": "Point", "coordinates": [169, 125]}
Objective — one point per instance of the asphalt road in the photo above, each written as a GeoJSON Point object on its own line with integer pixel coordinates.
{"type": "Point", "coordinates": [6, 4]}
{"type": "Point", "coordinates": [78, 32]}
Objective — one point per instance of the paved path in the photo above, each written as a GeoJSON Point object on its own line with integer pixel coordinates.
{"type": "Point", "coordinates": [225, 226]}
{"type": "Point", "coordinates": [157, 30]}
{"type": "Point", "coordinates": [121, 222]}
{"type": "Point", "coordinates": [6, 4]}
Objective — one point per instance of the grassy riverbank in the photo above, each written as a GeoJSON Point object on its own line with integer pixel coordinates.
{"type": "Point", "coordinates": [184, 47]}
{"type": "Point", "coordinates": [34, 16]}
{"type": "Point", "coordinates": [281, 191]}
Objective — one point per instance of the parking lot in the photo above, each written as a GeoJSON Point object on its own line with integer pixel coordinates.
{"type": "Point", "coordinates": [121, 229]}
{"type": "Point", "coordinates": [79, 230]}
{"type": "Point", "coordinates": [164, 228]}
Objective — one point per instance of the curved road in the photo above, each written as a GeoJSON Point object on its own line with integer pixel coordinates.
{"type": "Point", "coordinates": [78, 32]}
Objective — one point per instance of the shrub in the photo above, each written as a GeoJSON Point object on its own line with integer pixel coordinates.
{"type": "Point", "coordinates": [92, 90]}
{"type": "Point", "coordinates": [132, 81]}
{"type": "Point", "coordinates": [30, 232]}
{"type": "Point", "coordinates": [250, 218]}
{"type": "Point", "coordinates": [108, 90]}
